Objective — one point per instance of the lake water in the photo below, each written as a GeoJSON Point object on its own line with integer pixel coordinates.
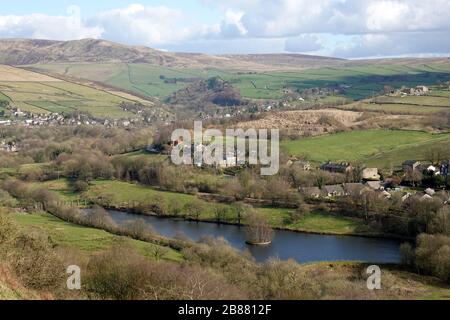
{"type": "Point", "coordinates": [301, 247]}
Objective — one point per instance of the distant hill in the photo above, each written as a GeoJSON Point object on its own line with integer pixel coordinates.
{"type": "Point", "coordinates": [27, 51]}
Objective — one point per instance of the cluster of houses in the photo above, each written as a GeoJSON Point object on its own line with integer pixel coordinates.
{"type": "Point", "coordinates": [417, 91]}
{"type": "Point", "coordinates": [359, 189]}
{"type": "Point", "coordinates": [229, 160]}
{"type": "Point", "coordinates": [345, 189]}
{"type": "Point", "coordinates": [414, 165]}
{"type": "Point", "coordinates": [29, 119]}
{"type": "Point", "coordinates": [372, 181]}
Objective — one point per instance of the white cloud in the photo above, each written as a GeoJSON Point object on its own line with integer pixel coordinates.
{"type": "Point", "coordinates": [397, 44]}
{"type": "Point", "coordinates": [140, 24]}
{"type": "Point", "coordinates": [369, 27]}
{"type": "Point", "coordinates": [289, 17]}
{"type": "Point", "coordinates": [303, 43]}
{"type": "Point", "coordinates": [387, 15]}
{"type": "Point", "coordinates": [232, 25]}
{"type": "Point", "coordinates": [42, 26]}
{"type": "Point", "coordinates": [381, 27]}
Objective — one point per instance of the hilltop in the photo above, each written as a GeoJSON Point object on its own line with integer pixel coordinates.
{"type": "Point", "coordinates": [30, 51]}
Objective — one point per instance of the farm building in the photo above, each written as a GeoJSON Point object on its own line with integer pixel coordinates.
{"type": "Point", "coordinates": [370, 174]}
{"type": "Point", "coordinates": [417, 91]}
{"type": "Point", "coordinates": [410, 165]}
{"type": "Point", "coordinates": [420, 90]}
{"type": "Point", "coordinates": [343, 167]}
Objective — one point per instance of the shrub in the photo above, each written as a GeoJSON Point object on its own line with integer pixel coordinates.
{"type": "Point", "coordinates": [408, 254]}
{"type": "Point", "coordinates": [122, 274]}
{"type": "Point", "coordinates": [100, 218]}
{"type": "Point", "coordinates": [6, 199]}
{"type": "Point", "coordinates": [81, 186]}
{"type": "Point", "coordinates": [36, 263]}
{"type": "Point", "coordinates": [433, 255]}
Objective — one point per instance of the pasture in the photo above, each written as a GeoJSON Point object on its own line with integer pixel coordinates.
{"type": "Point", "coordinates": [393, 108]}
{"type": "Point", "coordinates": [436, 100]}
{"type": "Point", "coordinates": [120, 193]}
{"type": "Point", "coordinates": [375, 147]}
{"type": "Point", "coordinates": [62, 97]}
{"type": "Point", "coordinates": [41, 94]}
{"type": "Point", "coordinates": [356, 81]}
{"type": "Point", "coordinates": [86, 240]}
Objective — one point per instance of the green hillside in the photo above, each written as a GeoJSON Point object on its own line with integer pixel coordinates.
{"type": "Point", "coordinates": [360, 81]}
{"type": "Point", "coordinates": [375, 147]}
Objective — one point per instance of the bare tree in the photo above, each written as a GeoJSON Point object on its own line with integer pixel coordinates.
{"type": "Point", "coordinates": [258, 230]}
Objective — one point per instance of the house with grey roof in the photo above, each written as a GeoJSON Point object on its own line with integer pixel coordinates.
{"type": "Point", "coordinates": [343, 167]}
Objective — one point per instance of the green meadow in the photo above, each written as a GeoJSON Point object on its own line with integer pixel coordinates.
{"type": "Point", "coordinates": [120, 193]}
{"type": "Point", "coordinates": [87, 240]}
{"type": "Point", "coordinates": [376, 147]}
{"type": "Point", "coordinates": [62, 97]}
{"type": "Point", "coordinates": [360, 81]}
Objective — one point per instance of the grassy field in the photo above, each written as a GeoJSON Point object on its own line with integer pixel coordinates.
{"type": "Point", "coordinates": [394, 108]}
{"type": "Point", "coordinates": [394, 158]}
{"type": "Point", "coordinates": [360, 81]}
{"type": "Point", "coordinates": [87, 240]}
{"type": "Point", "coordinates": [316, 222]}
{"type": "Point", "coordinates": [60, 97]}
{"type": "Point", "coordinates": [377, 147]}
{"type": "Point", "coordinates": [122, 192]}
{"type": "Point", "coordinates": [436, 101]}
{"type": "Point", "coordinates": [41, 94]}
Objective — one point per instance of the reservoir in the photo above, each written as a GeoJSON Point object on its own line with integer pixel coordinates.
{"type": "Point", "coordinates": [302, 247]}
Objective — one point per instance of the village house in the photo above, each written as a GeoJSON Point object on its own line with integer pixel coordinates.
{"type": "Point", "coordinates": [410, 165]}
{"type": "Point", "coordinates": [343, 167]}
{"type": "Point", "coordinates": [333, 191]}
{"type": "Point", "coordinates": [417, 91]}
{"type": "Point", "coordinates": [421, 90]}
{"type": "Point", "coordinates": [312, 192]}
{"type": "Point", "coordinates": [370, 174]}
{"type": "Point", "coordinates": [374, 185]}
{"type": "Point", "coordinates": [354, 189]}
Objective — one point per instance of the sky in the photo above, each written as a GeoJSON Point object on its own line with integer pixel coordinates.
{"type": "Point", "coordinates": [339, 28]}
